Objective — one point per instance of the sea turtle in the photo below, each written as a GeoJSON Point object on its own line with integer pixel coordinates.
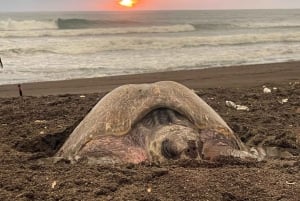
{"type": "Point", "coordinates": [153, 122]}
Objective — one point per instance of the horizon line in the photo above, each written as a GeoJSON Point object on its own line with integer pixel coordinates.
{"type": "Point", "coordinates": [141, 10]}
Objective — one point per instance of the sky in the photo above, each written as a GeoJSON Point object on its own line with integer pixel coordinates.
{"type": "Point", "coordinates": [76, 5]}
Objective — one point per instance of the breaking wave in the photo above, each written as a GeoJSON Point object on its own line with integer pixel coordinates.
{"type": "Point", "coordinates": [227, 26]}
{"type": "Point", "coordinates": [76, 23]}
{"type": "Point", "coordinates": [22, 28]}
{"type": "Point", "coordinates": [74, 46]}
{"type": "Point", "coordinates": [36, 28]}
{"type": "Point", "coordinates": [49, 30]}
{"type": "Point", "coordinates": [22, 25]}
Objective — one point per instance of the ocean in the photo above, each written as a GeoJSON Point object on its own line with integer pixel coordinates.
{"type": "Point", "coordinates": [66, 45]}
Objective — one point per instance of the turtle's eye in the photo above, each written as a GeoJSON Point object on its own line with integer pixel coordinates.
{"type": "Point", "coordinates": [169, 150]}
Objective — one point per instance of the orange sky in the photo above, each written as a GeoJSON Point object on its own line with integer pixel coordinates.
{"type": "Point", "coordinates": [147, 5]}
{"type": "Point", "coordinates": [114, 5]}
{"type": "Point", "coordinates": [108, 5]}
{"type": "Point", "coordinates": [196, 4]}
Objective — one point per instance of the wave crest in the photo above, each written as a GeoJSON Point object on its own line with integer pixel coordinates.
{"type": "Point", "coordinates": [21, 25]}
{"type": "Point", "coordinates": [77, 23]}
{"type": "Point", "coordinates": [100, 31]}
{"type": "Point", "coordinates": [256, 25]}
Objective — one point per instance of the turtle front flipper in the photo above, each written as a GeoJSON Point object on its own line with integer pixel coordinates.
{"type": "Point", "coordinates": [214, 150]}
{"type": "Point", "coordinates": [216, 145]}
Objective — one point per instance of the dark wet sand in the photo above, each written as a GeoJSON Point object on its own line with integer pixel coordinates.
{"type": "Point", "coordinates": [26, 173]}
{"type": "Point", "coordinates": [239, 76]}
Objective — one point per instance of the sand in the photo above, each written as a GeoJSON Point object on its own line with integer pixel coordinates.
{"type": "Point", "coordinates": [236, 77]}
{"type": "Point", "coordinates": [33, 128]}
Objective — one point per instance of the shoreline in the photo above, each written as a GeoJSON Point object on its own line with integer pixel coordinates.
{"type": "Point", "coordinates": [225, 77]}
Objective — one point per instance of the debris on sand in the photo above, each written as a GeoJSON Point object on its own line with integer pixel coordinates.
{"type": "Point", "coordinates": [230, 104]}
{"type": "Point", "coordinates": [82, 96]}
{"type": "Point", "coordinates": [53, 184]}
{"type": "Point", "coordinates": [285, 100]}
{"type": "Point", "coordinates": [266, 90]}
{"type": "Point", "coordinates": [237, 107]}
{"type": "Point", "coordinates": [242, 107]}
{"type": "Point", "coordinates": [294, 84]}
{"type": "Point", "coordinates": [40, 121]}
{"type": "Point", "coordinates": [290, 183]}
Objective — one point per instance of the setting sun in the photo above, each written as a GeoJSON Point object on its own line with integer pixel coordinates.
{"type": "Point", "coordinates": [127, 3]}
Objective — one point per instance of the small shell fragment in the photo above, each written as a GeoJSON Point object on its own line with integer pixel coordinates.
{"type": "Point", "coordinates": [290, 183]}
{"type": "Point", "coordinates": [40, 121]}
{"type": "Point", "coordinates": [53, 184]}
{"type": "Point", "coordinates": [266, 90]}
{"type": "Point", "coordinates": [235, 106]}
{"type": "Point", "coordinates": [230, 104]}
{"type": "Point", "coordinates": [285, 100]}
{"type": "Point", "coordinates": [242, 107]}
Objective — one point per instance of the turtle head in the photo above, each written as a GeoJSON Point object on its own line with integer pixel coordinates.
{"type": "Point", "coordinates": [177, 142]}
{"type": "Point", "coordinates": [174, 142]}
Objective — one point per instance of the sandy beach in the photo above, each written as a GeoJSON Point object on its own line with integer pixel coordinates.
{"type": "Point", "coordinates": [236, 77]}
{"type": "Point", "coordinates": [34, 127]}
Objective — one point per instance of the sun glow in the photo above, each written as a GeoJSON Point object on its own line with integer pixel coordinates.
{"type": "Point", "coordinates": [127, 3]}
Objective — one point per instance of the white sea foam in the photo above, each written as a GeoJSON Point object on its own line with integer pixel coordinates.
{"type": "Point", "coordinates": [97, 31]}
{"type": "Point", "coordinates": [44, 67]}
{"type": "Point", "coordinates": [21, 25]}
{"type": "Point", "coordinates": [75, 46]}
{"type": "Point", "coordinates": [270, 25]}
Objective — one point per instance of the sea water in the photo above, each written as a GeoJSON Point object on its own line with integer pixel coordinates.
{"type": "Point", "coordinates": [67, 45]}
